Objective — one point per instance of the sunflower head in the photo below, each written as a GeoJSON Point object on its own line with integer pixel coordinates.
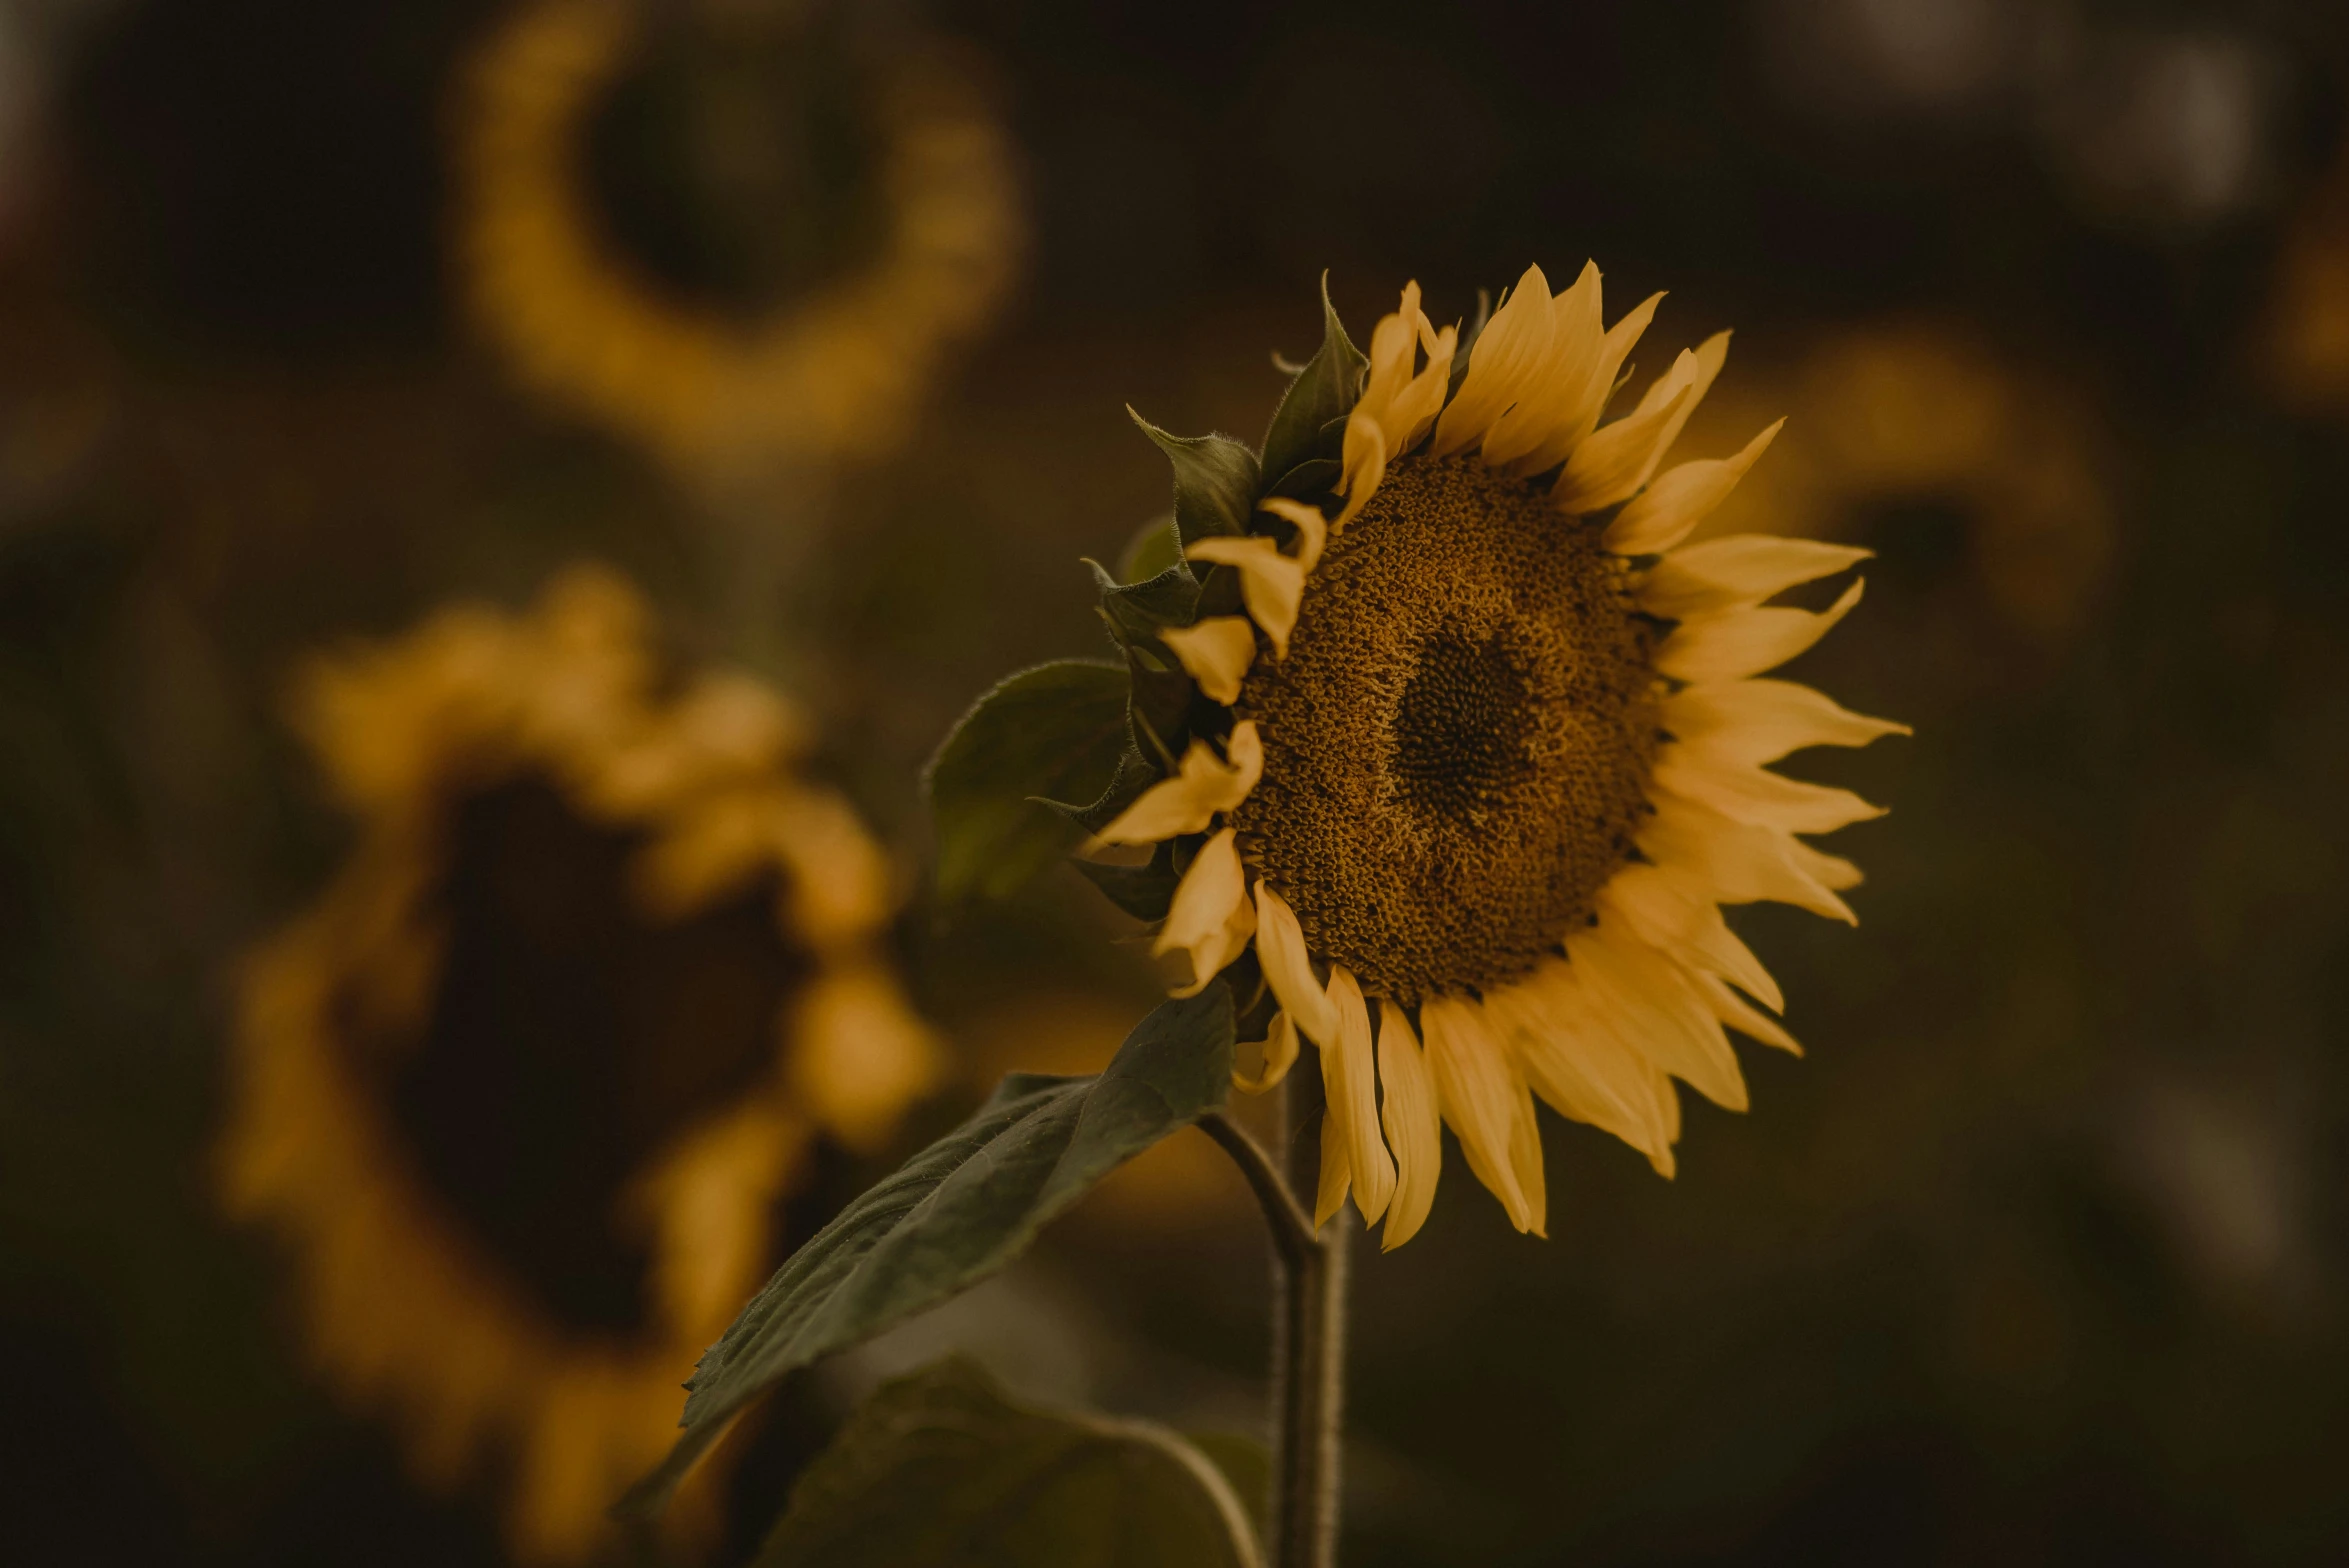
{"type": "Point", "coordinates": [1447, 748]}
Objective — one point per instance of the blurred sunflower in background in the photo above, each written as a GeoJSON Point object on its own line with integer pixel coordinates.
{"type": "Point", "coordinates": [1482, 738]}
{"type": "Point", "coordinates": [740, 235]}
{"type": "Point", "coordinates": [525, 1090]}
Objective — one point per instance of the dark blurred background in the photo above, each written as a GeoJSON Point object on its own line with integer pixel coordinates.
{"type": "Point", "coordinates": [2040, 1256]}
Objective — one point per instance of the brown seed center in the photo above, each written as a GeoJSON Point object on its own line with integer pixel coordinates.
{"type": "Point", "coordinates": [1457, 746]}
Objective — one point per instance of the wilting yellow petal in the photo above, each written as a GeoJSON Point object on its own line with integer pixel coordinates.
{"type": "Point", "coordinates": [1658, 1010]}
{"type": "Point", "coordinates": [1741, 569]}
{"type": "Point", "coordinates": [1732, 1010]}
{"type": "Point", "coordinates": [1760, 721]}
{"type": "Point", "coordinates": [1738, 862]}
{"type": "Point", "coordinates": [1271, 583]}
{"type": "Point", "coordinates": [1660, 516]}
{"type": "Point", "coordinates": [1484, 1097]}
{"type": "Point", "coordinates": [1575, 1058]}
{"type": "Point", "coordinates": [1668, 913]}
{"type": "Point", "coordinates": [1215, 652]}
{"type": "Point", "coordinates": [1349, 1080]}
{"type": "Point", "coordinates": [1611, 463]}
{"type": "Point", "coordinates": [1336, 1173]}
{"type": "Point", "coordinates": [1203, 785]}
{"type": "Point", "coordinates": [1288, 968]}
{"type": "Point", "coordinates": [1510, 352]}
{"type": "Point", "coordinates": [1753, 794]}
{"type": "Point", "coordinates": [1735, 643]}
{"type": "Point", "coordinates": [1210, 917]}
{"type": "Point", "coordinates": [1312, 528]}
{"type": "Point", "coordinates": [1279, 1055]}
{"type": "Point", "coordinates": [1414, 1126]}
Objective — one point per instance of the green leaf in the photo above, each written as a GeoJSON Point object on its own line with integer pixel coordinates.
{"type": "Point", "coordinates": [1145, 891]}
{"type": "Point", "coordinates": [1215, 481]}
{"type": "Point", "coordinates": [956, 1213]}
{"type": "Point", "coordinates": [940, 1470]}
{"type": "Point", "coordinates": [1310, 423]}
{"type": "Point", "coordinates": [1154, 547]}
{"type": "Point", "coordinates": [1135, 773]}
{"type": "Point", "coordinates": [1058, 729]}
{"type": "Point", "coordinates": [1137, 612]}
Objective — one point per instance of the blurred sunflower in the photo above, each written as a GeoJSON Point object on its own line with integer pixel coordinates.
{"type": "Point", "coordinates": [524, 1091]}
{"type": "Point", "coordinates": [874, 210]}
{"type": "Point", "coordinates": [1478, 746]}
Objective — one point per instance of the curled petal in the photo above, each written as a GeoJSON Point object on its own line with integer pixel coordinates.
{"type": "Point", "coordinates": [1279, 1055]}
{"type": "Point", "coordinates": [1414, 1126]}
{"type": "Point", "coordinates": [1734, 643]}
{"type": "Point", "coordinates": [1215, 652]}
{"type": "Point", "coordinates": [1312, 528]}
{"type": "Point", "coordinates": [1662, 515]}
{"type": "Point", "coordinates": [1288, 968]}
{"type": "Point", "coordinates": [1271, 583]}
{"type": "Point", "coordinates": [1210, 917]}
{"type": "Point", "coordinates": [1203, 785]}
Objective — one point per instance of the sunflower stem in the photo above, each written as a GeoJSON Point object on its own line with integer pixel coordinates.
{"type": "Point", "coordinates": [1309, 1328]}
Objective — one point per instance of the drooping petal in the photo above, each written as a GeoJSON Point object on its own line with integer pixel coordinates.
{"type": "Point", "coordinates": [1612, 462]}
{"type": "Point", "coordinates": [1757, 721]}
{"type": "Point", "coordinates": [1740, 569]}
{"type": "Point", "coordinates": [1203, 785]}
{"type": "Point", "coordinates": [1736, 643]}
{"type": "Point", "coordinates": [1483, 1096]}
{"type": "Point", "coordinates": [1349, 1080]}
{"type": "Point", "coordinates": [1413, 1123]}
{"type": "Point", "coordinates": [1210, 917]}
{"type": "Point", "coordinates": [1215, 651]}
{"type": "Point", "coordinates": [1576, 1059]}
{"type": "Point", "coordinates": [1683, 496]}
{"type": "Point", "coordinates": [1658, 1011]}
{"type": "Point", "coordinates": [1509, 352]}
{"type": "Point", "coordinates": [1362, 463]}
{"type": "Point", "coordinates": [1312, 528]}
{"type": "Point", "coordinates": [1271, 583]}
{"type": "Point", "coordinates": [1737, 862]}
{"type": "Point", "coordinates": [1278, 1055]}
{"type": "Point", "coordinates": [1288, 967]}
{"type": "Point", "coordinates": [1667, 913]}
{"type": "Point", "coordinates": [1753, 794]}
{"type": "Point", "coordinates": [1337, 1176]}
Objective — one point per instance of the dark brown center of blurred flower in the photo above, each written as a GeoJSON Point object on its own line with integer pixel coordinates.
{"type": "Point", "coordinates": [1457, 746]}
{"type": "Point", "coordinates": [570, 1040]}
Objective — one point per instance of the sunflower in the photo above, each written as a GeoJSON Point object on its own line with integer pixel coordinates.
{"type": "Point", "coordinates": [1477, 744]}
{"type": "Point", "coordinates": [523, 1091]}
{"type": "Point", "coordinates": [831, 370]}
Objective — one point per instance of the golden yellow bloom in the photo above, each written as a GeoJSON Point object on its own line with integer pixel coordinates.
{"type": "Point", "coordinates": [835, 372]}
{"type": "Point", "coordinates": [522, 1091]}
{"type": "Point", "coordinates": [1498, 756]}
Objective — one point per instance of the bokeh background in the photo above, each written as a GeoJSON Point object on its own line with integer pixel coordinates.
{"type": "Point", "coordinates": [2040, 1256]}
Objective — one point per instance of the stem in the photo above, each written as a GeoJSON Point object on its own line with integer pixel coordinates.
{"type": "Point", "coordinates": [1308, 1330]}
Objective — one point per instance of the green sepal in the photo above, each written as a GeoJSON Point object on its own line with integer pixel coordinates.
{"type": "Point", "coordinates": [955, 1214]}
{"type": "Point", "coordinates": [1155, 547]}
{"type": "Point", "coordinates": [1058, 729]}
{"type": "Point", "coordinates": [1311, 479]}
{"type": "Point", "coordinates": [1310, 423]}
{"type": "Point", "coordinates": [1145, 892]}
{"type": "Point", "coordinates": [1160, 705]}
{"type": "Point", "coordinates": [939, 1468]}
{"type": "Point", "coordinates": [1215, 481]}
{"type": "Point", "coordinates": [1467, 342]}
{"type": "Point", "coordinates": [1134, 774]}
{"type": "Point", "coordinates": [1137, 612]}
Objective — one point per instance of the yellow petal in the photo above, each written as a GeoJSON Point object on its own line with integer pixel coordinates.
{"type": "Point", "coordinates": [1215, 652]}
{"type": "Point", "coordinates": [1740, 569]}
{"type": "Point", "coordinates": [1760, 721]}
{"type": "Point", "coordinates": [1555, 393]}
{"type": "Point", "coordinates": [1288, 969]}
{"type": "Point", "coordinates": [1753, 794]}
{"type": "Point", "coordinates": [1733, 643]}
{"type": "Point", "coordinates": [1667, 913]}
{"type": "Point", "coordinates": [1203, 785]}
{"type": "Point", "coordinates": [1483, 1096]}
{"type": "Point", "coordinates": [1600, 389]}
{"type": "Point", "coordinates": [1694, 372]}
{"type": "Point", "coordinates": [1271, 583]}
{"type": "Point", "coordinates": [1336, 1173]}
{"type": "Point", "coordinates": [1576, 1059]}
{"type": "Point", "coordinates": [1414, 1127]}
{"type": "Point", "coordinates": [1738, 862]}
{"type": "Point", "coordinates": [1210, 917]}
{"type": "Point", "coordinates": [1612, 462]}
{"type": "Point", "coordinates": [1312, 528]}
{"type": "Point", "coordinates": [1349, 1080]}
{"type": "Point", "coordinates": [1362, 464]}
{"type": "Point", "coordinates": [1278, 1056]}
{"type": "Point", "coordinates": [1662, 515]}
{"type": "Point", "coordinates": [1732, 1010]}
{"type": "Point", "coordinates": [1513, 347]}
{"type": "Point", "coordinates": [1658, 1010]}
